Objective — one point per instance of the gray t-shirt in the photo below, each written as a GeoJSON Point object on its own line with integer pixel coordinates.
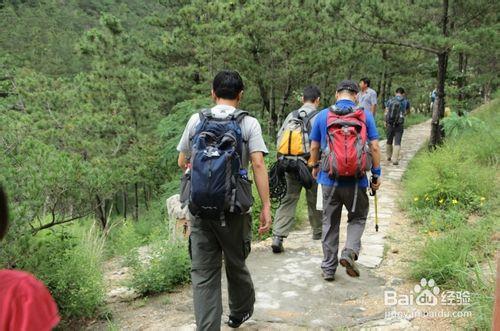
{"type": "Point", "coordinates": [250, 131]}
{"type": "Point", "coordinates": [307, 108]}
{"type": "Point", "coordinates": [367, 99]}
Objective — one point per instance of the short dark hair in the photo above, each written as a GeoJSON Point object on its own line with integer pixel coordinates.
{"type": "Point", "coordinates": [311, 93]}
{"type": "Point", "coordinates": [227, 84]}
{"type": "Point", "coordinates": [4, 213]}
{"type": "Point", "coordinates": [400, 90]}
{"type": "Point", "coordinates": [366, 81]}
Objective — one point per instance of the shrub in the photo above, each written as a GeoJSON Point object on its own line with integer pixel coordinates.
{"type": "Point", "coordinates": [71, 269]}
{"type": "Point", "coordinates": [166, 266]}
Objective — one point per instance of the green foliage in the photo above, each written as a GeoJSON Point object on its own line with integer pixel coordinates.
{"type": "Point", "coordinates": [441, 200]}
{"type": "Point", "coordinates": [447, 258]}
{"type": "Point", "coordinates": [454, 125]}
{"type": "Point", "coordinates": [71, 269]}
{"type": "Point", "coordinates": [165, 266]}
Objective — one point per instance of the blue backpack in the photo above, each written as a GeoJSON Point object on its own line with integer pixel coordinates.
{"type": "Point", "coordinates": [219, 184]}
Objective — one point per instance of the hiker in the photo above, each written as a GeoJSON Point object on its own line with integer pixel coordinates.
{"type": "Point", "coordinates": [215, 150]}
{"type": "Point", "coordinates": [396, 110]}
{"type": "Point", "coordinates": [293, 147]}
{"type": "Point", "coordinates": [346, 135]}
{"type": "Point", "coordinates": [367, 97]}
{"type": "Point", "coordinates": [25, 303]}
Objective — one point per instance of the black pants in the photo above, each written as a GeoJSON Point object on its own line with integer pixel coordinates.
{"type": "Point", "coordinates": [394, 133]}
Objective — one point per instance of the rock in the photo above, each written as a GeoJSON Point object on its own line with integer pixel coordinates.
{"type": "Point", "coordinates": [121, 294]}
{"type": "Point", "coordinates": [396, 281]}
{"type": "Point", "coordinates": [395, 250]}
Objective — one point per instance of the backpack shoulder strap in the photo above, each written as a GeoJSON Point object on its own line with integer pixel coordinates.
{"type": "Point", "coordinates": [309, 117]}
{"type": "Point", "coordinates": [238, 115]}
{"type": "Point", "coordinates": [205, 113]}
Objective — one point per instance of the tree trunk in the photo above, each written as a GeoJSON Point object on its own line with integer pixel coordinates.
{"type": "Point", "coordinates": [144, 189]}
{"type": "Point", "coordinates": [101, 212]}
{"type": "Point", "coordinates": [462, 80]}
{"type": "Point", "coordinates": [136, 209]}
{"type": "Point", "coordinates": [437, 132]}
{"type": "Point", "coordinates": [125, 202]}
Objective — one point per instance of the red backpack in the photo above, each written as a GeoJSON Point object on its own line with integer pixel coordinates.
{"type": "Point", "coordinates": [349, 150]}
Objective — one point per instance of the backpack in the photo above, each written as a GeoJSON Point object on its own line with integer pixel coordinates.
{"type": "Point", "coordinates": [218, 183]}
{"type": "Point", "coordinates": [395, 111]}
{"type": "Point", "coordinates": [348, 154]}
{"type": "Point", "coordinates": [294, 140]}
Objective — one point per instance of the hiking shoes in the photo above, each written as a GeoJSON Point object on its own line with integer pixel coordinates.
{"type": "Point", "coordinates": [317, 236]}
{"type": "Point", "coordinates": [347, 261]}
{"type": "Point", "coordinates": [235, 322]}
{"type": "Point", "coordinates": [328, 276]}
{"type": "Point", "coordinates": [277, 245]}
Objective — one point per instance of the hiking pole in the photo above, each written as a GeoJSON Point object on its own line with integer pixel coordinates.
{"type": "Point", "coordinates": [373, 193]}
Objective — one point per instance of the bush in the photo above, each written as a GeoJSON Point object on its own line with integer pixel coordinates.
{"type": "Point", "coordinates": [71, 269]}
{"type": "Point", "coordinates": [166, 265]}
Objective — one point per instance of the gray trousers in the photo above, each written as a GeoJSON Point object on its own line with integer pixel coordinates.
{"type": "Point", "coordinates": [208, 242]}
{"type": "Point", "coordinates": [285, 215]}
{"type": "Point", "coordinates": [395, 133]}
{"type": "Point", "coordinates": [332, 211]}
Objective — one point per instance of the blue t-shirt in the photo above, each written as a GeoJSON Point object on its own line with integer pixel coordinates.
{"type": "Point", "coordinates": [319, 134]}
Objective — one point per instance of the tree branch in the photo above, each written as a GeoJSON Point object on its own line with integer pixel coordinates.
{"type": "Point", "coordinates": [53, 223]}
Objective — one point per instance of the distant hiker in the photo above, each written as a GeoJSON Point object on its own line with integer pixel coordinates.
{"type": "Point", "coordinates": [25, 303]}
{"type": "Point", "coordinates": [215, 150]}
{"type": "Point", "coordinates": [348, 139]}
{"type": "Point", "coordinates": [293, 147]}
{"type": "Point", "coordinates": [367, 97]}
{"type": "Point", "coordinates": [396, 110]}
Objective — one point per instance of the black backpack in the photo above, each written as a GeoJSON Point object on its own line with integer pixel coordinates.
{"type": "Point", "coordinates": [396, 109]}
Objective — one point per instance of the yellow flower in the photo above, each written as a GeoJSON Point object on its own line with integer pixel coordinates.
{"type": "Point", "coordinates": [415, 199]}
{"type": "Point", "coordinates": [441, 201]}
{"type": "Point", "coordinates": [427, 198]}
{"type": "Point", "coordinates": [454, 201]}
{"type": "Point", "coordinates": [483, 198]}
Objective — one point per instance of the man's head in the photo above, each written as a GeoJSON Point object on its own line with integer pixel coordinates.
{"type": "Point", "coordinates": [400, 91]}
{"type": "Point", "coordinates": [311, 94]}
{"type": "Point", "coordinates": [4, 214]}
{"type": "Point", "coordinates": [364, 83]}
{"type": "Point", "coordinates": [347, 90]}
{"type": "Point", "coordinates": [227, 85]}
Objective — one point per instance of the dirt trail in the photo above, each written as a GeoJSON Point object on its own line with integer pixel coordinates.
{"type": "Point", "coordinates": [291, 294]}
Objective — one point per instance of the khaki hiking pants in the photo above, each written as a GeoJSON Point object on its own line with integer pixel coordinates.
{"type": "Point", "coordinates": [208, 243]}
{"type": "Point", "coordinates": [332, 211]}
{"type": "Point", "coordinates": [285, 215]}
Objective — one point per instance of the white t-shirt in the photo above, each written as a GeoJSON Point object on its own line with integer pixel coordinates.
{"type": "Point", "coordinates": [250, 131]}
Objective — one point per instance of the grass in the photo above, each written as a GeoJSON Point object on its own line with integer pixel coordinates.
{"type": "Point", "coordinates": [443, 188]}
{"type": "Point", "coordinates": [411, 119]}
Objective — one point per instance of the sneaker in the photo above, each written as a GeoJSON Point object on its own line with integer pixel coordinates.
{"type": "Point", "coordinates": [328, 277]}
{"type": "Point", "coordinates": [235, 322]}
{"type": "Point", "coordinates": [347, 261]}
{"type": "Point", "coordinates": [317, 236]}
{"type": "Point", "coordinates": [277, 245]}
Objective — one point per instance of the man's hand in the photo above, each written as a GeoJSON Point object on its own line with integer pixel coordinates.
{"type": "Point", "coordinates": [315, 172]}
{"type": "Point", "coordinates": [265, 219]}
{"type": "Point", "coordinates": [376, 186]}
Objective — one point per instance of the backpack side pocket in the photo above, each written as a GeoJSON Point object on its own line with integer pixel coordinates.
{"type": "Point", "coordinates": [185, 191]}
{"type": "Point", "coordinates": [243, 198]}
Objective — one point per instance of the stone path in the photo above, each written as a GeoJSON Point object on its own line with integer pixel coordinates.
{"type": "Point", "coordinates": [291, 294]}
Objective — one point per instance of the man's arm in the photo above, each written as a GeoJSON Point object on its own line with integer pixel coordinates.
{"type": "Point", "coordinates": [374, 102]}
{"type": "Point", "coordinates": [374, 109]}
{"type": "Point", "coordinates": [182, 161]}
{"type": "Point", "coordinates": [375, 148]}
{"type": "Point", "coordinates": [314, 158]}
{"type": "Point", "coordinates": [262, 182]}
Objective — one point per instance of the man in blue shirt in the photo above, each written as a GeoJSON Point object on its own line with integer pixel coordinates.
{"type": "Point", "coordinates": [344, 192]}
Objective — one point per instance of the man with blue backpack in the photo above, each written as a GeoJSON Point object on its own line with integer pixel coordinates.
{"type": "Point", "coordinates": [214, 152]}
{"type": "Point", "coordinates": [396, 110]}
{"type": "Point", "coordinates": [348, 139]}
